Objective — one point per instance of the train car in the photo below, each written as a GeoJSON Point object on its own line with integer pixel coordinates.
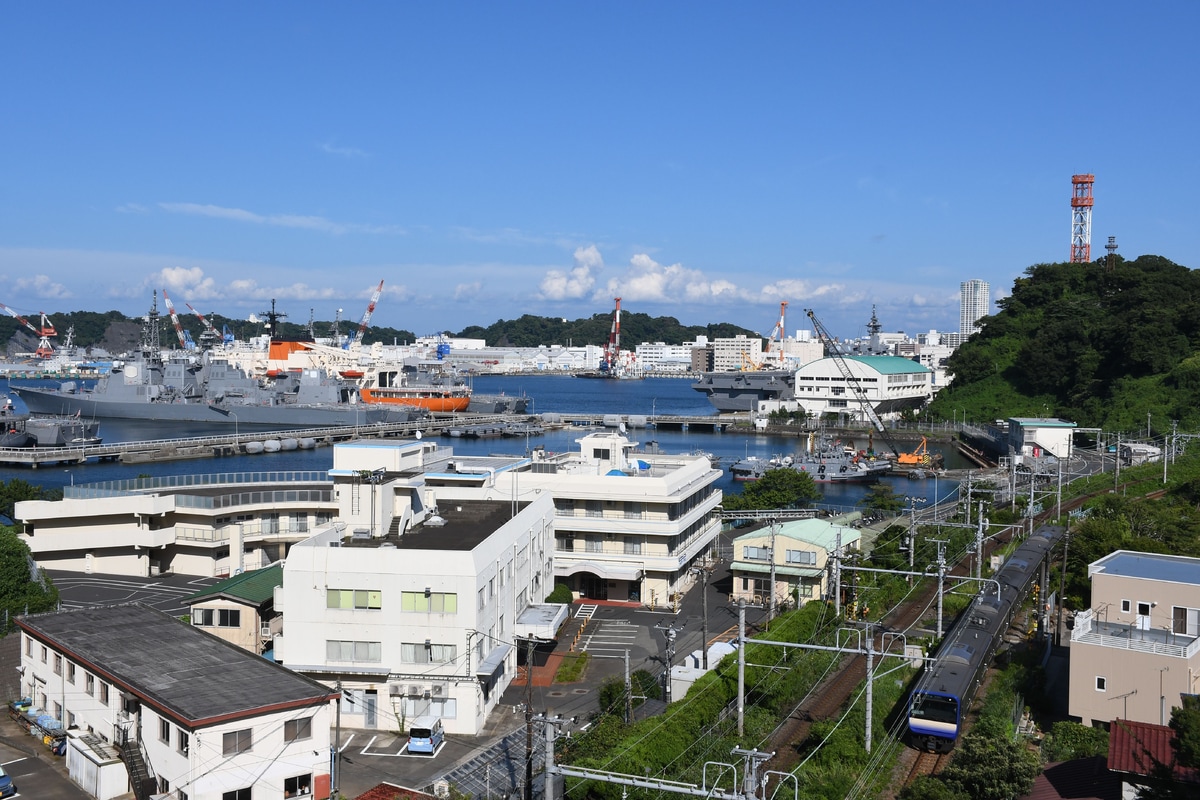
{"type": "Point", "coordinates": [944, 693]}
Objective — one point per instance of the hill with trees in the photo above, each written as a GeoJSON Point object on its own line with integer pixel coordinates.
{"type": "Point", "coordinates": [116, 333]}
{"type": "Point", "coordinates": [1103, 348]}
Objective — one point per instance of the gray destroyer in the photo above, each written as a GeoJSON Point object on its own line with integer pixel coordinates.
{"type": "Point", "coordinates": [201, 387]}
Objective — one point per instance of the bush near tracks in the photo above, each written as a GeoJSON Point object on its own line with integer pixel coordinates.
{"type": "Point", "coordinates": [676, 744]}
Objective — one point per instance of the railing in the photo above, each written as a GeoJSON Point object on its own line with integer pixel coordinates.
{"type": "Point", "coordinates": [1087, 631]}
{"type": "Point", "coordinates": [132, 486]}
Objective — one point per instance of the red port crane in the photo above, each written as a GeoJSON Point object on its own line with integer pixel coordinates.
{"type": "Point", "coordinates": [366, 317]}
{"type": "Point", "coordinates": [179, 334]}
{"type": "Point", "coordinates": [612, 353]}
{"type": "Point", "coordinates": [44, 333]}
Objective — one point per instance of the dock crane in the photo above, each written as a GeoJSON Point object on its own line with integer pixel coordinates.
{"type": "Point", "coordinates": [612, 351]}
{"type": "Point", "coordinates": [44, 333]}
{"type": "Point", "coordinates": [835, 353]}
{"type": "Point", "coordinates": [778, 334]}
{"type": "Point", "coordinates": [211, 335]}
{"type": "Point", "coordinates": [185, 341]}
{"type": "Point", "coordinates": [357, 337]}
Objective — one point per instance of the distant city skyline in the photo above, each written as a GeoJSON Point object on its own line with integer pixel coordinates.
{"type": "Point", "coordinates": [702, 162]}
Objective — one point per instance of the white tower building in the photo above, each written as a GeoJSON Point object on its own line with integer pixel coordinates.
{"type": "Point", "coordinates": [974, 303]}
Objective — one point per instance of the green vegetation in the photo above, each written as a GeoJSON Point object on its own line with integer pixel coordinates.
{"type": "Point", "coordinates": [1070, 740]}
{"type": "Point", "coordinates": [1102, 348]}
{"type": "Point", "coordinates": [572, 667]}
{"type": "Point", "coordinates": [561, 594]}
{"type": "Point", "coordinates": [777, 488]}
{"type": "Point", "coordinates": [612, 692]}
{"type": "Point", "coordinates": [24, 587]}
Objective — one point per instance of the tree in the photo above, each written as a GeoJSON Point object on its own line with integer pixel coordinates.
{"type": "Point", "coordinates": [928, 787]}
{"type": "Point", "coordinates": [1070, 740]}
{"type": "Point", "coordinates": [777, 488]}
{"type": "Point", "coordinates": [23, 587]}
{"type": "Point", "coordinates": [1185, 721]}
{"type": "Point", "coordinates": [882, 497]}
{"type": "Point", "coordinates": [990, 768]}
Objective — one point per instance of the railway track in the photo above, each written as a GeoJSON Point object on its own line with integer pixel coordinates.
{"type": "Point", "coordinates": [926, 764]}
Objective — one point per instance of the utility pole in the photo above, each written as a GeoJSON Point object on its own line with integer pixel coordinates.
{"type": "Point", "coordinates": [703, 573]}
{"type": "Point", "coordinates": [670, 632]}
{"type": "Point", "coordinates": [337, 741]}
{"type": "Point", "coordinates": [941, 569]}
{"type": "Point", "coordinates": [741, 698]}
{"type": "Point", "coordinates": [771, 605]}
{"type": "Point", "coordinates": [529, 718]}
{"type": "Point", "coordinates": [628, 692]}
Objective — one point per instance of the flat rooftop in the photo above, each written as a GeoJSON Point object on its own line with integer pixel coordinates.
{"type": "Point", "coordinates": [192, 675]}
{"type": "Point", "coordinates": [467, 524]}
{"type": "Point", "coordinates": [1149, 566]}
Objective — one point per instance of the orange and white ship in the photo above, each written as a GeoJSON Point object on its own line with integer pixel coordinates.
{"type": "Point", "coordinates": [394, 386]}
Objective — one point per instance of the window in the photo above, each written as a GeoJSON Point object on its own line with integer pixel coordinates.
{"type": "Point", "coordinates": [296, 729]}
{"type": "Point", "coordinates": [235, 742]}
{"type": "Point", "coordinates": [43, 654]}
{"type": "Point", "coordinates": [482, 599]}
{"type": "Point", "coordinates": [89, 684]}
{"type": "Point", "coordinates": [103, 692]}
{"type": "Point", "coordinates": [70, 719]}
{"type": "Point", "coordinates": [353, 651]}
{"type": "Point", "coordinates": [237, 794]}
{"type": "Point", "coordinates": [354, 598]}
{"type": "Point", "coordinates": [1143, 609]}
{"type": "Point", "coordinates": [219, 617]}
{"type": "Point", "coordinates": [164, 731]}
{"type": "Point", "coordinates": [1125, 606]}
{"type": "Point", "coordinates": [29, 647]}
{"type": "Point", "coordinates": [70, 672]}
{"type": "Point", "coordinates": [1101, 684]}
{"type": "Point", "coordinates": [1185, 620]}
{"type": "Point", "coordinates": [182, 740]}
{"type": "Point", "coordinates": [58, 661]}
{"type": "Point", "coordinates": [491, 588]}
{"type": "Point", "coordinates": [756, 553]}
{"type": "Point", "coordinates": [439, 602]}
{"type": "Point", "coordinates": [593, 543]}
{"type": "Point", "coordinates": [299, 785]}
{"type": "Point", "coordinates": [802, 556]}
{"type": "Point", "coordinates": [422, 653]}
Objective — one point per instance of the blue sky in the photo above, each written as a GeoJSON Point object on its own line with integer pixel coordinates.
{"type": "Point", "coordinates": [700, 160]}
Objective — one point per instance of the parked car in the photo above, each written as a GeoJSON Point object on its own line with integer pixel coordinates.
{"type": "Point", "coordinates": [7, 787]}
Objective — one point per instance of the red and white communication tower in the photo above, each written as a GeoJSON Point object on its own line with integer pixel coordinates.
{"type": "Point", "coordinates": [1081, 218]}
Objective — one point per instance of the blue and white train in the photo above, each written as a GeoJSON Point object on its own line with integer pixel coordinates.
{"type": "Point", "coordinates": [944, 693]}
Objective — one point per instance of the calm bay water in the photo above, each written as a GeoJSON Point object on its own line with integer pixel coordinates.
{"type": "Point", "coordinates": [547, 393]}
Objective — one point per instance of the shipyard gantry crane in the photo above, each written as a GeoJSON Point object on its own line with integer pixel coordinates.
{"type": "Point", "coordinates": [778, 334]}
{"type": "Point", "coordinates": [835, 353]}
{"type": "Point", "coordinates": [612, 352]}
{"type": "Point", "coordinates": [44, 333]}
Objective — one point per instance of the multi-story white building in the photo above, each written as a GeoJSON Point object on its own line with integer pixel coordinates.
{"type": "Point", "coordinates": [891, 385]}
{"type": "Point", "coordinates": [215, 525]}
{"type": "Point", "coordinates": [974, 303]}
{"type": "Point", "coordinates": [737, 353]}
{"type": "Point", "coordinates": [1136, 650]}
{"type": "Point", "coordinates": [196, 717]}
{"type": "Point", "coordinates": [419, 619]}
{"type": "Point", "coordinates": [663, 357]}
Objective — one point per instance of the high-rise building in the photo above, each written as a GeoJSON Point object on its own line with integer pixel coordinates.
{"type": "Point", "coordinates": [974, 303]}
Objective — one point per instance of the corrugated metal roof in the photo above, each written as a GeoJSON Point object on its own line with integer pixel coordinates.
{"type": "Point", "coordinates": [890, 365]}
{"type": "Point", "coordinates": [1137, 747]}
{"type": "Point", "coordinates": [255, 587]}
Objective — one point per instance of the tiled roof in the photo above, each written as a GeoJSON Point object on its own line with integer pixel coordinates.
{"type": "Point", "coordinates": [390, 791]}
{"type": "Point", "coordinates": [255, 587]}
{"type": "Point", "coordinates": [1081, 779]}
{"type": "Point", "coordinates": [1136, 747]}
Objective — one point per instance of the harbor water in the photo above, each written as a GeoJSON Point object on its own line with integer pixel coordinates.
{"type": "Point", "coordinates": [546, 394]}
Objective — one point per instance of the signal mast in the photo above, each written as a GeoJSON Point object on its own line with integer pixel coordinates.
{"type": "Point", "coordinates": [1081, 218]}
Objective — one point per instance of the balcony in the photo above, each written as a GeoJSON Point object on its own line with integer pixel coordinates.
{"type": "Point", "coordinates": [1089, 630]}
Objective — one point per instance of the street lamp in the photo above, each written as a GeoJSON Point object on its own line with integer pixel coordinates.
{"type": "Point", "coordinates": [671, 632]}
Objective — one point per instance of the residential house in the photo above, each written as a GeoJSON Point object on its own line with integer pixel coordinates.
{"type": "Point", "coordinates": [241, 609]}
{"type": "Point", "coordinates": [797, 552]}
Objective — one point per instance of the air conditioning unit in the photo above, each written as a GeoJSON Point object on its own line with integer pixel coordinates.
{"type": "Point", "coordinates": [265, 632]}
{"type": "Point", "coordinates": [439, 690]}
{"type": "Point", "coordinates": [395, 689]}
{"type": "Point", "coordinates": [426, 694]}
{"type": "Point", "coordinates": [414, 691]}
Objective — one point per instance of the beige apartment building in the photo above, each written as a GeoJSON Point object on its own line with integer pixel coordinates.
{"type": "Point", "coordinates": [1137, 649]}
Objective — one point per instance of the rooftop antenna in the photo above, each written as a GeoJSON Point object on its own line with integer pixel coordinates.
{"type": "Point", "coordinates": [1111, 258]}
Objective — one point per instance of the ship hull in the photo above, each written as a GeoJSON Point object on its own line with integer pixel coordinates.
{"type": "Point", "coordinates": [434, 401]}
{"type": "Point", "coordinates": [84, 404]}
{"type": "Point", "coordinates": [738, 392]}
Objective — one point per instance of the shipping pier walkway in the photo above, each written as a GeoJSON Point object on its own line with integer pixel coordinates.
{"type": "Point", "coordinates": [244, 441]}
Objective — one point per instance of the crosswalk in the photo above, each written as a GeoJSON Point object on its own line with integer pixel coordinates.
{"type": "Point", "coordinates": [609, 638]}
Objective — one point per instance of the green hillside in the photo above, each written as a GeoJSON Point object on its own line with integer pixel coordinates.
{"type": "Point", "coordinates": [1101, 347]}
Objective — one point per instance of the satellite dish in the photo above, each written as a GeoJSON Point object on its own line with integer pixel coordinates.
{"type": "Point", "coordinates": [418, 434]}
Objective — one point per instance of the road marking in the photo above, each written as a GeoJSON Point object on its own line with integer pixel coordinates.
{"type": "Point", "coordinates": [342, 749]}
{"type": "Point", "coordinates": [14, 761]}
{"type": "Point", "coordinates": [586, 611]}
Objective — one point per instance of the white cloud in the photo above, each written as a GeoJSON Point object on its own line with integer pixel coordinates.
{"type": "Point", "coordinates": [467, 291]}
{"type": "Point", "coordinates": [306, 222]}
{"type": "Point", "coordinates": [42, 286]}
{"type": "Point", "coordinates": [576, 284]}
{"type": "Point", "coordinates": [132, 208]}
{"type": "Point", "coordinates": [648, 281]}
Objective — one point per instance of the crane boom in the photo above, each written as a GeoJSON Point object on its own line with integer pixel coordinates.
{"type": "Point", "coordinates": [779, 333]}
{"type": "Point", "coordinates": [44, 348]}
{"type": "Point", "coordinates": [366, 317]}
{"type": "Point", "coordinates": [851, 381]}
{"type": "Point", "coordinates": [210, 336]}
{"type": "Point", "coordinates": [175, 321]}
